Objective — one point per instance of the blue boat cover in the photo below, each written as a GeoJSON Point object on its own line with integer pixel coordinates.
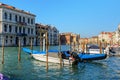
{"type": "Point", "coordinates": [66, 54]}
{"type": "Point", "coordinates": [29, 51]}
{"type": "Point", "coordinates": [91, 56]}
{"type": "Point", "coordinates": [53, 51]}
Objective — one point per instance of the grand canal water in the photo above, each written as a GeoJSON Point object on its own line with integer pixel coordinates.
{"type": "Point", "coordinates": [30, 69]}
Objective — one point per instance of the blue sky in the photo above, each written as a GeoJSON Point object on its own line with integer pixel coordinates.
{"type": "Point", "coordinates": [85, 17]}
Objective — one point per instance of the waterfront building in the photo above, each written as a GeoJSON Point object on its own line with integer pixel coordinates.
{"type": "Point", "coordinates": [53, 34]}
{"type": "Point", "coordinates": [84, 40]}
{"type": "Point", "coordinates": [83, 44]}
{"type": "Point", "coordinates": [65, 38]}
{"type": "Point", "coordinates": [105, 37]}
{"type": "Point", "coordinates": [93, 40]}
{"type": "Point", "coordinates": [118, 30]}
{"type": "Point", "coordinates": [70, 39]}
{"type": "Point", "coordinates": [116, 36]}
{"type": "Point", "coordinates": [16, 24]}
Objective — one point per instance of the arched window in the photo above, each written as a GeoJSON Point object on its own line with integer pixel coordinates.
{"type": "Point", "coordinates": [5, 28]}
{"type": "Point", "coordinates": [5, 15]}
{"type": "Point", "coordinates": [10, 28]}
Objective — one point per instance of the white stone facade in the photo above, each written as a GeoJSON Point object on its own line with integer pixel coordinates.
{"type": "Point", "coordinates": [53, 36]}
{"type": "Point", "coordinates": [116, 36]}
{"type": "Point", "coordinates": [16, 24]}
{"type": "Point", "coordinates": [105, 37]}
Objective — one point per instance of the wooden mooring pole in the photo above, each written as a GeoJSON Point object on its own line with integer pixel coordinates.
{"type": "Point", "coordinates": [3, 51]}
{"type": "Point", "coordinates": [19, 51]}
{"type": "Point", "coordinates": [31, 45]}
{"type": "Point", "coordinates": [46, 51]}
{"type": "Point", "coordinates": [40, 40]}
{"type": "Point", "coordinates": [100, 47]}
{"type": "Point", "coordinates": [83, 47]}
{"type": "Point", "coordinates": [74, 46]}
{"type": "Point", "coordinates": [60, 52]}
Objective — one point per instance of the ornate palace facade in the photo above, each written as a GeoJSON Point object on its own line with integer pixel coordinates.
{"type": "Point", "coordinates": [16, 24]}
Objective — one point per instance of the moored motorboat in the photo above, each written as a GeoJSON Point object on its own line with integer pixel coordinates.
{"type": "Point", "coordinates": [112, 50]}
{"type": "Point", "coordinates": [53, 57]}
{"type": "Point", "coordinates": [67, 57]}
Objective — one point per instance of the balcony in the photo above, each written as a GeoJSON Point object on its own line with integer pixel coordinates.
{"type": "Point", "coordinates": [21, 34]}
{"type": "Point", "coordinates": [22, 23]}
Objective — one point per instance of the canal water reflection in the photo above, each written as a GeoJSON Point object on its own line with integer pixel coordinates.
{"type": "Point", "coordinates": [30, 69]}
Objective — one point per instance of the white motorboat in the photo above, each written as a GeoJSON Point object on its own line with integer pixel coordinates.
{"type": "Point", "coordinates": [52, 56]}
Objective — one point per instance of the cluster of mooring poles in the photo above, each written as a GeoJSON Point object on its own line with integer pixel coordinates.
{"type": "Point", "coordinates": [19, 48]}
{"type": "Point", "coordinates": [84, 46]}
{"type": "Point", "coordinates": [45, 42]}
{"type": "Point", "coordinates": [19, 45]}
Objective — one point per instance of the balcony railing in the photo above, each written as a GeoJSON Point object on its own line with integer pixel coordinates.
{"type": "Point", "coordinates": [21, 23]}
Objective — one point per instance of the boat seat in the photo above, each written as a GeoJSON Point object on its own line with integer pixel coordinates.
{"type": "Point", "coordinates": [53, 54]}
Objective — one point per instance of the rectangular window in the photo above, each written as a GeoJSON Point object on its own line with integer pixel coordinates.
{"type": "Point", "coordinates": [11, 39]}
{"type": "Point", "coordinates": [28, 20]}
{"type": "Point", "coordinates": [31, 21]}
{"type": "Point", "coordinates": [16, 29]}
{"type": "Point", "coordinates": [24, 19]}
{"type": "Point", "coordinates": [31, 31]}
{"type": "Point", "coordinates": [10, 28]}
{"type": "Point", "coordinates": [16, 17]}
{"type": "Point", "coordinates": [6, 41]}
{"type": "Point", "coordinates": [19, 29]}
{"type": "Point", "coordinates": [28, 30]}
{"type": "Point", "coordinates": [10, 16]}
{"type": "Point", "coordinates": [19, 18]}
{"type": "Point", "coordinates": [24, 30]}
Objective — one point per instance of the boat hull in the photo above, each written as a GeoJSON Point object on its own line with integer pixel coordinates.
{"type": "Point", "coordinates": [42, 57]}
{"type": "Point", "coordinates": [52, 56]}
